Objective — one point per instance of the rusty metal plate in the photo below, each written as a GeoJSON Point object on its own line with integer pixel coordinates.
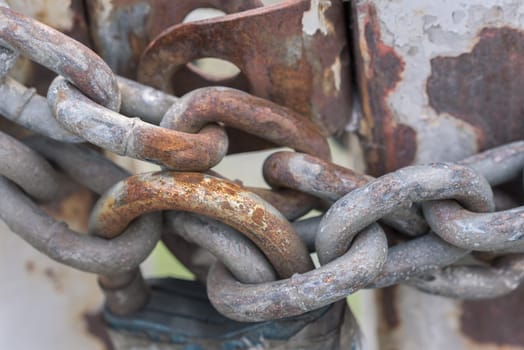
{"type": "Point", "coordinates": [122, 29]}
{"type": "Point", "coordinates": [294, 53]}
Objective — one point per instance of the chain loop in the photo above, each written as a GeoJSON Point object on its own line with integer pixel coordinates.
{"type": "Point", "coordinates": [30, 171]}
{"type": "Point", "coordinates": [206, 195]}
{"type": "Point", "coordinates": [253, 115]}
{"type": "Point", "coordinates": [66, 57]}
{"type": "Point", "coordinates": [474, 282]}
{"type": "Point", "coordinates": [245, 261]}
{"type": "Point", "coordinates": [329, 181]}
{"type": "Point", "coordinates": [25, 107]}
{"type": "Point", "coordinates": [302, 292]}
{"type": "Point", "coordinates": [249, 113]}
{"type": "Point", "coordinates": [401, 188]}
{"type": "Point", "coordinates": [133, 137]}
{"type": "Point", "coordinates": [86, 253]}
{"type": "Point", "coordinates": [496, 231]}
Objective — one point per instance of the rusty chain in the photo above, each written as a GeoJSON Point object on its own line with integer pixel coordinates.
{"type": "Point", "coordinates": [449, 236]}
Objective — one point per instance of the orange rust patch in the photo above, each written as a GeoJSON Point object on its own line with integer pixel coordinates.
{"type": "Point", "coordinates": [231, 190]}
{"type": "Point", "coordinates": [157, 143]}
{"type": "Point", "coordinates": [258, 216]}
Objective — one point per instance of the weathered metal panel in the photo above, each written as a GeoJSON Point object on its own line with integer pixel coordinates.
{"type": "Point", "coordinates": [409, 319]}
{"type": "Point", "coordinates": [294, 53]}
{"type": "Point", "coordinates": [440, 81]}
{"type": "Point", "coordinates": [122, 29]}
{"type": "Point", "coordinates": [437, 79]}
{"type": "Point", "coordinates": [68, 16]}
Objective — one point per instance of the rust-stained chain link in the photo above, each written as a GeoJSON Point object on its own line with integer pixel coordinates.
{"type": "Point", "coordinates": [450, 236]}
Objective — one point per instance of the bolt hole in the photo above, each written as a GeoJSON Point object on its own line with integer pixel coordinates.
{"type": "Point", "coordinates": [207, 71]}
{"type": "Point", "coordinates": [203, 13]}
{"type": "Point", "coordinates": [214, 68]}
{"type": "Point", "coordinates": [211, 68]}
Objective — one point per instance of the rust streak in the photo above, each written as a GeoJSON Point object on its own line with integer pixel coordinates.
{"type": "Point", "coordinates": [388, 145]}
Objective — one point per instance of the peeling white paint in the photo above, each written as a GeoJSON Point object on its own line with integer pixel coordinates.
{"type": "Point", "coordinates": [314, 19]}
{"type": "Point", "coordinates": [419, 31]}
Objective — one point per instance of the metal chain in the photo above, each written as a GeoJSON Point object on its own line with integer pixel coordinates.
{"type": "Point", "coordinates": [442, 213]}
{"type": "Point", "coordinates": [347, 217]}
